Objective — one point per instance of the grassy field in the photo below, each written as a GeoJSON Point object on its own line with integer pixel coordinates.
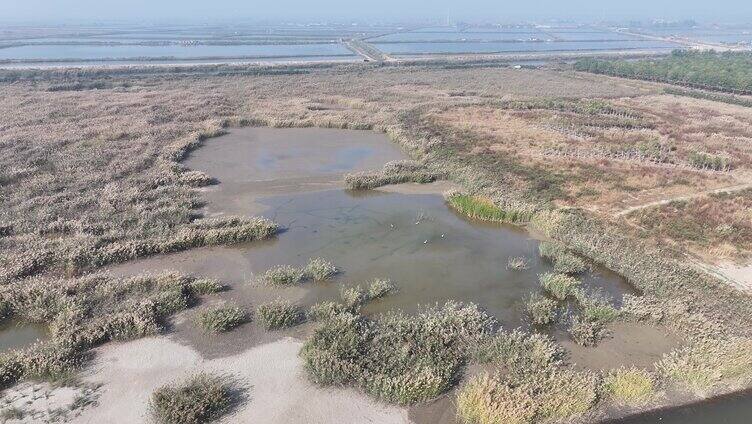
{"type": "Point", "coordinates": [90, 175]}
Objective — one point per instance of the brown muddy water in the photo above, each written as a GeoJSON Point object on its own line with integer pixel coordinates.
{"type": "Point", "coordinates": [16, 334]}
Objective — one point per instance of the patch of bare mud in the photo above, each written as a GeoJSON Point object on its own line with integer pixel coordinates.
{"type": "Point", "coordinates": [271, 375]}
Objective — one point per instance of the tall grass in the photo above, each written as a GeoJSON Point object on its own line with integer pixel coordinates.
{"type": "Point", "coordinates": [483, 209]}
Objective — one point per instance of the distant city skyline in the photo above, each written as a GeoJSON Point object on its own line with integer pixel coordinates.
{"type": "Point", "coordinates": [51, 11]}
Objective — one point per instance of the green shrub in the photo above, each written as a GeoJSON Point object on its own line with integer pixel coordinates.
{"type": "Point", "coordinates": [560, 286]}
{"type": "Point", "coordinates": [629, 386]}
{"type": "Point", "coordinates": [279, 314]}
{"type": "Point", "coordinates": [220, 319]}
{"type": "Point", "coordinates": [596, 307]}
{"type": "Point", "coordinates": [200, 399]}
{"type": "Point", "coordinates": [542, 310]}
{"type": "Point", "coordinates": [707, 161]}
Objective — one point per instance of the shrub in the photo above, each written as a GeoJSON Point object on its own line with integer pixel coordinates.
{"type": "Point", "coordinates": [520, 352]}
{"type": "Point", "coordinates": [564, 261]}
{"type": "Point", "coordinates": [586, 333]}
{"type": "Point", "coordinates": [379, 288]}
{"type": "Point", "coordinates": [279, 314]}
{"type": "Point", "coordinates": [552, 396]}
{"type": "Point", "coordinates": [200, 399]}
{"type": "Point", "coordinates": [596, 307]}
{"type": "Point", "coordinates": [629, 386]}
{"type": "Point", "coordinates": [221, 318]}
{"type": "Point", "coordinates": [707, 363]}
{"type": "Point", "coordinates": [283, 275]}
{"type": "Point", "coordinates": [560, 286]}
{"type": "Point", "coordinates": [324, 310]}
{"type": "Point", "coordinates": [398, 358]}
{"type": "Point", "coordinates": [353, 297]}
{"type": "Point", "coordinates": [202, 286]}
{"type": "Point", "coordinates": [517, 263]}
{"type": "Point", "coordinates": [541, 309]}
{"type": "Point", "coordinates": [319, 269]}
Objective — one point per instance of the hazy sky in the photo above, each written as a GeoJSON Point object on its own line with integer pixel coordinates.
{"type": "Point", "coordinates": [487, 10]}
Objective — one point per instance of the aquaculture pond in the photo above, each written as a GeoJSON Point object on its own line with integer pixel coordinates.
{"type": "Point", "coordinates": [407, 233]}
{"type": "Point", "coordinates": [51, 52]}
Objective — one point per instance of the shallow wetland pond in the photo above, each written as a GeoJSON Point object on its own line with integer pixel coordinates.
{"type": "Point", "coordinates": [406, 233]}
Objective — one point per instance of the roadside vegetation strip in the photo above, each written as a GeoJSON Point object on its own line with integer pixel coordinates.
{"type": "Point", "coordinates": [200, 399]}
{"type": "Point", "coordinates": [279, 314]}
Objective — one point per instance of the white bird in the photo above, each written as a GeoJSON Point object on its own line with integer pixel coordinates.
{"type": "Point", "coordinates": [442, 236]}
{"type": "Point", "coordinates": [425, 242]}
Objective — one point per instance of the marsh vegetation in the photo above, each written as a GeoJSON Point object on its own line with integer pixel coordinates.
{"type": "Point", "coordinates": [94, 178]}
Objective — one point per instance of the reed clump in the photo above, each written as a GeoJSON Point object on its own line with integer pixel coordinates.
{"type": "Point", "coordinates": [542, 310]}
{"type": "Point", "coordinates": [398, 358]}
{"type": "Point", "coordinates": [200, 399]}
{"type": "Point", "coordinates": [221, 319]}
{"type": "Point", "coordinates": [630, 386]}
{"type": "Point", "coordinates": [317, 269]}
{"type": "Point", "coordinates": [553, 396]}
{"type": "Point", "coordinates": [560, 286]}
{"type": "Point", "coordinates": [395, 172]}
{"type": "Point", "coordinates": [279, 314]}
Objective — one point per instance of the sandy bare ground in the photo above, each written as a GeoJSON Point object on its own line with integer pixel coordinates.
{"type": "Point", "coordinates": [276, 390]}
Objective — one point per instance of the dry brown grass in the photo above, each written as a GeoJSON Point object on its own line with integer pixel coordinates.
{"type": "Point", "coordinates": [717, 226]}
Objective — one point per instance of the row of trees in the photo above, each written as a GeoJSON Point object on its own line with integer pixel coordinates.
{"type": "Point", "coordinates": [727, 71]}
